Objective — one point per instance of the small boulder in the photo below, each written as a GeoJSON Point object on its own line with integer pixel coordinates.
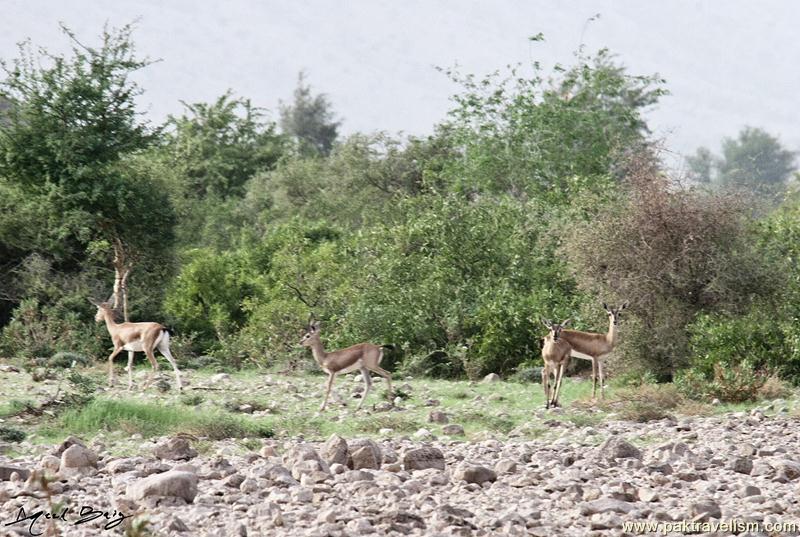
{"type": "Point", "coordinates": [6, 471]}
{"type": "Point", "coordinates": [741, 465]}
{"type": "Point", "coordinates": [453, 429]}
{"type": "Point", "coordinates": [335, 450]}
{"type": "Point", "coordinates": [77, 461]}
{"type": "Point", "coordinates": [168, 484]}
{"type": "Point", "coordinates": [70, 441]}
{"type": "Point", "coordinates": [705, 509]}
{"type": "Point", "coordinates": [437, 416]}
{"type": "Point", "coordinates": [475, 474]}
{"type": "Point", "coordinates": [175, 449]}
{"type": "Point", "coordinates": [423, 458]}
{"type": "Point", "coordinates": [364, 453]}
{"type": "Point", "coordinates": [491, 377]}
{"type": "Point", "coordinates": [618, 448]}
{"type": "Point", "coordinates": [606, 505]}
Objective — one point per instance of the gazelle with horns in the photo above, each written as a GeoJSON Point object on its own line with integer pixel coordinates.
{"type": "Point", "coordinates": [363, 356]}
{"type": "Point", "coordinates": [555, 353]}
{"type": "Point", "coordinates": [596, 347]}
{"type": "Point", "coordinates": [135, 337]}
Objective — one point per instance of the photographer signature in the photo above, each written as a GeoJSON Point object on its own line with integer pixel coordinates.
{"type": "Point", "coordinates": [87, 513]}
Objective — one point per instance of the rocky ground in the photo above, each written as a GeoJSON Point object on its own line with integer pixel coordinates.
{"type": "Point", "coordinates": [581, 481]}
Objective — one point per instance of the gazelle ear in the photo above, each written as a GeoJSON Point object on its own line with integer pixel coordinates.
{"type": "Point", "coordinates": [625, 305]}
{"type": "Point", "coordinates": [605, 306]}
{"type": "Point", "coordinates": [566, 322]}
{"type": "Point", "coordinates": [316, 325]}
{"type": "Point", "coordinates": [93, 302]}
{"type": "Point", "coordinates": [546, 323]}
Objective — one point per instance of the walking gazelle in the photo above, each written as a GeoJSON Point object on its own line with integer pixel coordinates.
{"type": "Point", "coordinates": [135, 337]}
{"type": "Point", "coordinates": [363, 356]}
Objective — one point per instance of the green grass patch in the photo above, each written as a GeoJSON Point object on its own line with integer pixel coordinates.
{"type": "Point", "coordinates": [151, 420]}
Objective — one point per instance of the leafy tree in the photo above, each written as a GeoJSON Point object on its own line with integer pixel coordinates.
{"type": "Point", "coordinates": [701, 165]}
{"type": "Point", "coordinates": [309, 120]}
{"type": "Point", "coordinates": [754, 160]}
{"type": "Point", "coordinates": [64, 153]}
{"type": "Point", "coordinates": [217, 147]}
{"type": "Point", "coordinates": [523, 136]}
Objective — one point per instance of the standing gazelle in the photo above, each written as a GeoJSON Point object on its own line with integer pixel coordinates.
{"type": "Point", "coordinates": [135, 337]}
{"type": "Point", "coordinates": [595, 347]}
{"type": "Point", "coordinates": [363, 356]}
{"type": "Point", "coordinates": [555, 353]}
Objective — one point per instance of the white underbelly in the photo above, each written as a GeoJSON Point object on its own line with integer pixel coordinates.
{"type": "Point", "coordinates": [135, 346]}
{"type": "Point", "coordinates": [583, 356]}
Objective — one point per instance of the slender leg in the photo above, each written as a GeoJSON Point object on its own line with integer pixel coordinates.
{"type": "Point", "coordinates": [152, 358]}
{"type": "Point", "coordinates": [130, 370]}
{"type": "Point", "coordinates": [331, 376]}
{"type": "Point", "coordinates": [602, 379]}
{"type": "Point", "coordinates": [367, 386]}
{"type": "Point", "coordinates": [594, 378]}
{"type": "Point", "coordinates": [164, 349]}
{"type": "Point", "coordinates": [558, 384]}
{"type": "Point", "coordinates": [385, 374]}
{"type": "Point", "coordinates": [545, 382]}
{"type": "Point", "coordinates": [113, 354]}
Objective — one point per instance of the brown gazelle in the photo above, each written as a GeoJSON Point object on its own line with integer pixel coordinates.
{"type": "Point", "coordinates": [555, 353]}
{"type": "Point", "coordinates": [364, 356]}
{"type": "Point", "coordinates": [595, 347]}
{"type": "Point", "coordinates": [135, 337]}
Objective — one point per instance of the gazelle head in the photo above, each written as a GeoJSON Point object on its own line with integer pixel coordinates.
{"type": "Point", "coordinates": [102, 307]}
{"type": "Point", "coordinates": [311, 333]}
{"type": "Point", "coordinates": [615, 314]}
{"type": "Point", "coordinates": [555, 328]}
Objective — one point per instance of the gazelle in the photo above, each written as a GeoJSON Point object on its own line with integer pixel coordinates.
{"type": "Point", "coordinates": [135, 337]}
{"type": "Point", "coordinates": [595, 347]}
{"type": "Point", "coordinates": [363, 356]}
{"type": "Point", "coordinates": [555, 353]}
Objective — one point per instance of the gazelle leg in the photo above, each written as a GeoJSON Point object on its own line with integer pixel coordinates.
{"type": "Point", "coordinates": [113, 354]}
{"type": "Point", "coordinates": [602, 380]}
{"type": "Point", "coordinates": [331, 376]}
{"type": "Point", "coordinates": [385, 374]}
{"type": "Point", "coordinates": [594, 378]}
{"type": "Point", "coordinates": [558, 384]}
{"type": "Point", "coordinates": [545, 382]}
{"type": "Point", "coordinates": [130, 370]}
{"type": "Point", "coordinates": [164, 349]}
{"type": "Point", "coordinates": [152, 358]}
{"type": "Point", "coordinates": [367, 386]}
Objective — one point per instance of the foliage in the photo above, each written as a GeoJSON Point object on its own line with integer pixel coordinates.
{"type": "Point", "coordinates": [208, 295]}
{"type": "Point", "coordinates": [755, 160]}
{"type": "Point", "coordinates": [39, 332]}
{"type": "Point", "coordinates": [69, 188]}
{"type": "Point", "coordinates": [519, 135]}
{"type": "Point", "coordinates": [673, 253]}
{"type": "Point", "coordinates": [9, 434]}
{"type": "Point", "coordinates": [309, 120]}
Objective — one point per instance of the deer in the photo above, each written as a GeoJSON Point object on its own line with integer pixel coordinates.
{"type": "Point", "coordinates": [555, 354]}
{"type": "Point", "coordinates": [595, 347]}
{"type": "Point", "coordinates": [363, 356]}
{"type": "Point", "coordinates": [135, 337]}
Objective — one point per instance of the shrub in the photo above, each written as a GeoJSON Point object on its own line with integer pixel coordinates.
{"type": "Point", "coordinates": [9, 434]}
{"type": "Point", "coordinates": [729, 383]}
{"type": "Point", "coordinates": [672, 252]}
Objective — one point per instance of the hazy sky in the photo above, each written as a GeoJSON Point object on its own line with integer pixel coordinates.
{"type": "Point", "coordinates": [727, 63]}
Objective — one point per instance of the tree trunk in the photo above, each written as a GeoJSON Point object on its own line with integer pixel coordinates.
{"type": "Point", "coordinates": [122, 268]}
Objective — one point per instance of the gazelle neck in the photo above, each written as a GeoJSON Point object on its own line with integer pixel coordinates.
{"type": "Point", "coordinates": [318, 351]}
{"type": "Point", "coordinates": [611, 336]}
{"type": "Point", "coordinates": [109, 319]}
